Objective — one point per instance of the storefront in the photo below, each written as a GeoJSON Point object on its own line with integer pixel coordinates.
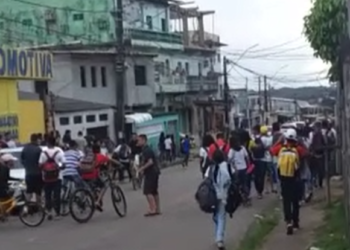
{"type": "Point", "coordinates": [18, 64]}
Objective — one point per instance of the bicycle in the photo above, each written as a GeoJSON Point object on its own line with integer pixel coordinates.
{"type": "Point", "coordinates": [86, 197]}
{"type": "Point", "coordinates": [18, 203]}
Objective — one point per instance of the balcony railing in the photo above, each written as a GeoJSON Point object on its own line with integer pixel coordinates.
{"type": "Point", "coordinates": [150, 35]}
{"type": "Point", "coordinates": [196, 83]}
{"type": "Point", "coordinates": [171, 84]}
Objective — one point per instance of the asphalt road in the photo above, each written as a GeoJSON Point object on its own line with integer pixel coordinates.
{"type": "Point", "coordinates": [181, 226]}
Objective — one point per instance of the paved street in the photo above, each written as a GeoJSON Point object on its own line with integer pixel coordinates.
{"type": "Point", "coordinates": [181, 226]}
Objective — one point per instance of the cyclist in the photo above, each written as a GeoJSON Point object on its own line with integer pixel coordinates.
{"type": "Point", "coordinates": [6, 162]}
{"type": "Point", "coordinates": [72, 157]}
{"type": "Point", "coordinates": [93, 176]}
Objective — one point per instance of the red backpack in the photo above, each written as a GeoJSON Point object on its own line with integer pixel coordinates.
{"type": "Point", "coordinates": [50, 168]}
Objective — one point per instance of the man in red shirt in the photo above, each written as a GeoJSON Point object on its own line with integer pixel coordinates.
{"type": "Point", "coordinates": [94, 176]}
{"type": "Point", "coordinates": [221, 143]}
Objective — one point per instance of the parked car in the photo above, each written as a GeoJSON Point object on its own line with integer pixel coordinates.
{"type": "Point", "coordinates": [18, 170]}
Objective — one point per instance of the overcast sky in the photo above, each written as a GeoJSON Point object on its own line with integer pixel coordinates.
{"type": "Point", "coordinates": [244, 23]}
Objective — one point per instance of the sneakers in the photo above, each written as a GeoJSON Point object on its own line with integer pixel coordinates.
{"type": "Point", "coordinates": [290, 229]}
{"type": "Point", "coordinates": [220, 245]}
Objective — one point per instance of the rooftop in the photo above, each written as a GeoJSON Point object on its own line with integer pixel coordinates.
{"type": "Point", "coordinates": [65, 105]}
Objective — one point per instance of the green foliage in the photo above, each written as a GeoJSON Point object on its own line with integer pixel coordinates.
{"type": "Point", "coordinates": [324, 28]}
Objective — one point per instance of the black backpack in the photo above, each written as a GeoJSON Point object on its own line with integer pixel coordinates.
{"type": "Point", "coordinates": [206, 193]}
{"type": "Point", "coordinates": [258, 151]}
{"type": "Point", "coordinates": [123, 153]}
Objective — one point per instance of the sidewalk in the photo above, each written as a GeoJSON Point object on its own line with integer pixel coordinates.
{"type": "Point", "coordinates": [311, 217]}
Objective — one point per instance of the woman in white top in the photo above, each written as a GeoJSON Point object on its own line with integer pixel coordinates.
{"type": "Point", "coordinates": [239, 160]}
{"type": "Point", "coordinates": [203, 153]}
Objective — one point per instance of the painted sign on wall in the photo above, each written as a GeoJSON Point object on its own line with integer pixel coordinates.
{"type": "Point", "coordinates": [9, 124]}
{"type": "Point", "coordinates": [25, 64]}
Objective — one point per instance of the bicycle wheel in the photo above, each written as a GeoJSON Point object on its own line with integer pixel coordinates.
{"type": "Point", "coordinates": [118, 198]}
{"type": "Point", "coordinates": [30, 210]}
{"type": "Point", "coordinates": [84, 201]}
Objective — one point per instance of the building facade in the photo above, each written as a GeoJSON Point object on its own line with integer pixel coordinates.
{"type": "Point", "coordinates": [168, 68]}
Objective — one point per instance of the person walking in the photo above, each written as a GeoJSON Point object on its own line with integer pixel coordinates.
{"type": "Point", "coordinates": [289, 153]}
{"type": "Point", "coordinates": [150, 171]}
{"type": "Point", "coordinates": [185, 149]}
{"type": "Point", "coordinates": [30, 160]}
{"type": "Point", "coordinates": [260, 161]}
{"type": "Point", "coordinates": [222, 174]}
{"type": "Point", "coordinates": [204, 160]}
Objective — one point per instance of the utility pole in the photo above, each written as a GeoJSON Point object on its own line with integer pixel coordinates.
{"type": "Point", "coordinates": [226, 94]}
{"type": "Point", "coordinates": [247, 104]}
{"type": "Point", "coordinates": [266, 102]}
{"type": "Point", "coordinates": [261, 114]}
{"type": "Point", "coordinates": [296, 108]}
{"type": "Point", "coordinates": [119, 118]}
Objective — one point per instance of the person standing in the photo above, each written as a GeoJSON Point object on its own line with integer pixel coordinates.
{"type": "Point", "coordinates": [123, 154]}
{"type": "Point", "coordinates": [73, 157]}
{"type": "Point", "coordinates": [51, 160]}
{"type": "Point", "coordinates": [151, 172]}
{"type": "Point", "coordinates": [81, 142]}
{"type": "Point", "coordinates": [168, 144]}
{"type": "Point", "coordinates": [30, 160]}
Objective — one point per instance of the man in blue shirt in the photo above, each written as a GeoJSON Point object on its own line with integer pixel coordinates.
{"type": "Point", "coordinates": [185, 149]}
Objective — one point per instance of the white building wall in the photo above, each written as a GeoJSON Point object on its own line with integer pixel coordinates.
{"type": "Point", "coordinates": [67, 82]}
{"type": "Point", "coordinates": [84, 125]}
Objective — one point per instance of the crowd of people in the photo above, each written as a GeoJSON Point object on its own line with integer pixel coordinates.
{"type": "Point", "coordinates": [79, 160]}
{"type": "Point", "coordinates": [289, 163]}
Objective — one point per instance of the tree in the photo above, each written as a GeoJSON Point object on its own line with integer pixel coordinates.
{"type": "Point", "coordinates": [324, 28]}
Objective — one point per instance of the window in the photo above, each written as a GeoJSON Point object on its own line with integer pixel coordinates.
{"type": "Point", "coordinates": [64, 121]}
{"type": "Point", "coordinates": [164, 25]}
{"type": "Point", "coordinates": [219, 57]}
{"type": "Point", "coordinates": [140, 75]}
{"type": "Point", "coordinates": [82, 77]}
{"type": "Point", "coordinates": [90, 118]}
{"type": "Point", "coordinates": [187, 67]}
{"type": "Point", "coordinates": [27, 22]}
{"type": "Point", "coordinates": [77, 119]}
{"type": "Point", "coordinates": [103, 117]}
{"type": "Point", "coordinates": [78, 17]}
{"type": "Point", "coordinates": [149, 22]}
{"type": "Point", "coordinates": [93, 77]}
{"type": "Point", "coordinates": [199, 69]}
{"type": "Point", "coordinates": [103, 77]}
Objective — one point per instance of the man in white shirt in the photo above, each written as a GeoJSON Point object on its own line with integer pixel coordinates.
{"type": "Point", "coordinates": [50, 161]}
{"type": "Point", "coordinates": [168, 143]}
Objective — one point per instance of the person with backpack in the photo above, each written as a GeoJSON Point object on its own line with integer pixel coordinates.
{"type": "Point", "coordinates": [204, 160]}
{"type": "Point", "coordinates": [219, 143]}
{"type": "Point", "coordinates": [317, 144]}
{"type": "Point", "coordinates": [289, 152]}
{"type": "Point", "coordinates": [260, 164]}
{"type": "Point", "coordinates": [51, 162]}
{"type": "Point", "coordinates": [218, 180]}
{"type": "Point", "coordinates": [123, 155]}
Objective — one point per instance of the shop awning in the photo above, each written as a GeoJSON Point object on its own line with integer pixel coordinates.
{"type": "Point", "coordinates": [138, 117]}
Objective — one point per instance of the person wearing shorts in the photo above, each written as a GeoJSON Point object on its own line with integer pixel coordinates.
{"type": "Point", "coordinates": [150, 172]}
{"type": "Point", "coordinates": [30, 160]}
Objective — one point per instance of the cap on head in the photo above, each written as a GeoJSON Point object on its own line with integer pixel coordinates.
{"type": "Point", "coordinates": [291, 134]}
{"type": "Point", "coordinates": [264, 130]}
